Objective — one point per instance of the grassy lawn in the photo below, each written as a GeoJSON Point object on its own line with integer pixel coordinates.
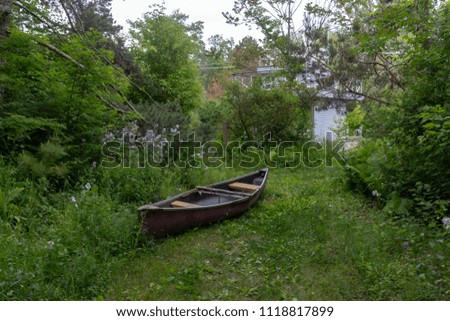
{"type": "Point", "coordinates": [306, 239]}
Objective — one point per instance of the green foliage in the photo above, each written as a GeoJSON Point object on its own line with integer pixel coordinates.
{"type": "Point", "coordinates": [352, 122]}
{"type": "Point", "coordinates": [246, 55]}
{"type": "Point", "coordinates": [47, 162]}
{"type": "Point", "coordinates": [274, 18]}
{"type": "Point", "coordinates": [46, 96]}
{"type": "Point", "coordinates": [409, 141]}
{"type": "Point", "coordinates": [164, 48]}
{"type": "Point", "coordinates": [207, 121]}
{"type": "Point", "coordinates": [62, 246]}
{"type": "Point", "coordinates": [216, 62]}
{"type": "Point", "coordinates": [133, 185]}
{"type": "Point", "coordinates": [256, 112]}
{"type": "Point", "coordinates": [21, 201]}
{"type": "Point", "coordinates": [70, 259]}
{"type": "Point", "coordinates": [19, 131]}
{"type": "Point", "coordinates": [162, 117]}
{"type": "Point", "coordinates": [364, 169]}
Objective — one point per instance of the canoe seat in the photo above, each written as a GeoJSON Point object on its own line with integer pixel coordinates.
{"type": "Point", "coordinates": [244, 187]}
{"type": "Point", "coordinates": [183, 204]}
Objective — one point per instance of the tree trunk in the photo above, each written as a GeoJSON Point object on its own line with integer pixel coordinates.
{"type": "Point", "coordinates": [5, 16]}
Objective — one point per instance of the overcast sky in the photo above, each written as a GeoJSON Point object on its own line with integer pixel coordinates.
{"type": "Point", "coordinates": [208, 11]}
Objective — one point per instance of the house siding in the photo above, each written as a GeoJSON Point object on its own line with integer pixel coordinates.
{"type": "Point", "coordinates": [325, 121]}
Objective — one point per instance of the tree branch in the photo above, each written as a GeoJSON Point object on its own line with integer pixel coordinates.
{"type": "Point", "coordinates": [347, 87]}
{"type": "Point", "coordinates": [108, 103]}
{"type": "Point", "coordinates": [61, 53]}
{"type": "Point", "coordinates": [38, 17]}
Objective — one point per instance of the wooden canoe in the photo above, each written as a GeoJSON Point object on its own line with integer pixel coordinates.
{"type": "Point", "coordinates": [202, 205]}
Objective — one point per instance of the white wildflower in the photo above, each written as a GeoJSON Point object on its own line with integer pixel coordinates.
{"type": "Point", "coordinates": [88, 186]}
{"type": "Point", "coordinates": [446, 222]}
{"type": "Point", "coordinates": [74, 200]}
{"type": "Point", "coordinates": [51, 244]}
{"type": "Point", "coordinates": [375, 193]}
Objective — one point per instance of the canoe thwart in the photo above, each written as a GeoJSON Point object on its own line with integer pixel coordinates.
{"type": "Point", "coordinates": [244, 187]}
{"type": "Point", "coordinates": [222, 191]}
{"type": "Point", "coordinates": [183, 204]}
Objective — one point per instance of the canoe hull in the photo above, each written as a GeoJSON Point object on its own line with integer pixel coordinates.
{"type": "Point", "coordinates": [159, 220]}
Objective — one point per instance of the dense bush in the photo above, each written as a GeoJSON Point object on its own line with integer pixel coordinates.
{"type": "Point", "coordinates": [256, 112]}
{"type": "Point", "coordinates": [47, 102]}
{"type": "Point", "coordinates": [207, 120]}
{"type": "Point", "coordinates": [407, 153]}
{"type": "Point", "coordinates": [61, 246]}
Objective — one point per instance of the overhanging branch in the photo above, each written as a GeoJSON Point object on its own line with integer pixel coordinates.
{"type": "Point", "coordinates": [61, 53]}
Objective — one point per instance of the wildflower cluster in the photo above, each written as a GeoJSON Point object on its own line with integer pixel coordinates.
{"type": "Point", "coordinates": [131, 136]}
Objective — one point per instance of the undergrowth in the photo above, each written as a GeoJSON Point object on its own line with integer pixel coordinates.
{"type": "Point", "coordinates": [308, 238]}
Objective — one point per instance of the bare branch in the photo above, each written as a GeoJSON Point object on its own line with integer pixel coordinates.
{"type": "Point", "coordinates": [61, 53]}
{"type": "Point", "coordinates": [347, 87]}
{"type": "Point", "coordinates": [394, 78]}
{"type": "Point", "coordinates": [111, 105]}
{"type": "Point", "coordinates": [49, 24]}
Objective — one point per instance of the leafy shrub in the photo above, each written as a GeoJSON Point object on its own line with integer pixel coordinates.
{"type": "Point", "coordinates": [207, 120]}
{"type": "Point", "coordinates": [46, 162]}
{"type": "Point", "coordinates": [256, 112]}
{"type": "Point", "coordinates": [412, 163]}
{"type": "Point", "coordinates": [160, 118]}
{"type": "Point", "coordinates": [61, 246]}
{"type": "Point", "coordinates": [21, 132]}
{"type": "Point", "coordinates": [366, 169]}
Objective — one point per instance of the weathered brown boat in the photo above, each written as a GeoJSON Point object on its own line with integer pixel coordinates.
{"type": "Point", "coordinates": [202, 205]}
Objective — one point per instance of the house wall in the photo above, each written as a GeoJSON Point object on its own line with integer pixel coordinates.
{"type": "Point", "coordinates": [325, 121]}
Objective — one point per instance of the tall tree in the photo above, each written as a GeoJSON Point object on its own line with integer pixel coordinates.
{"type": "Point", "coordinates": [92, 15]}
{"type": "Point", "coordinates": [246, 55]}
{"type": "Point", "coordinates": [275, 18]}
{"type": "Point", "coordinates": [216, 67]}
{"type": "Point", "coordinates": [405, 157]}
{"type": "Point", "coordinates": [59, 93]}
{"type": "Point", "coordinates": [361, 55]}
{"type": "Point", "coordinates": [166, 48]}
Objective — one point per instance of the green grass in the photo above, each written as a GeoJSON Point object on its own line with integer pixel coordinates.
{"type": "Point", "coordinates": [307, 239]}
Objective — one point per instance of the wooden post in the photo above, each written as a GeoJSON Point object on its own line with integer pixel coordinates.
{"type": "Point", "coordinates": [225, 132]}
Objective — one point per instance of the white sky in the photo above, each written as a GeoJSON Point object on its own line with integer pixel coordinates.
{"type": "Point", "coordinates": [208, 11]}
